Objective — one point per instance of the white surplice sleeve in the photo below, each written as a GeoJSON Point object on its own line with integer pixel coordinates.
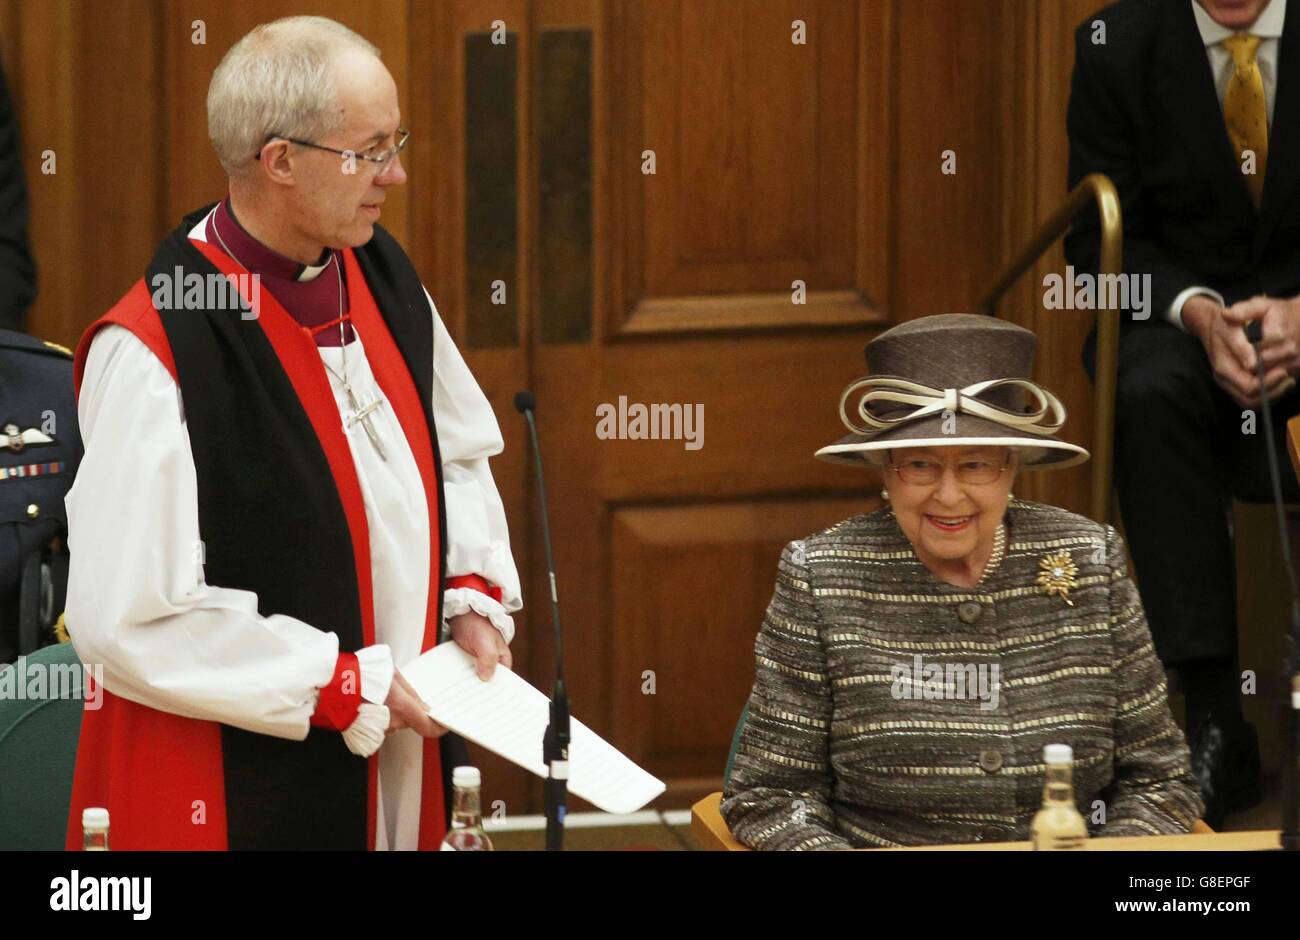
{"type": "Point", "coordinates": [137, 602]}
{"type": "Point", "coordinates": [477, 536]}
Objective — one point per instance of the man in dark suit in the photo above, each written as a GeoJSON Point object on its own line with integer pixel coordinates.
{"type": "Point", "coordinates": [1192, 108]}
{"type": "Point", "coordinates": [17, 273]}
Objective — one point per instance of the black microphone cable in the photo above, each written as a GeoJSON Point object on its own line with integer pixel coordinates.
{"type": "Point", "coordinates": [1253, 334]}
{"type": "Point", "coordinates": [1290, 834]}
{"type": "Point", "coordinates": [555, 742]}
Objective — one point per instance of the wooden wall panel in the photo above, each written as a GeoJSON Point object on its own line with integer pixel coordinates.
{"type": "Point", "coordinates": [10, 41]}
{"type": "Point", "coordinates": [755, 182]}
{"type": "Point", "coordinates": [437, 218]}
{"type": "Point", "coordinates": [1037, 71]}
{"type": "Point", "coordinates": [749, 130]}
{"type": "Point", "coordinates": [946, 238]}
{"type": "Point", "coordinates": [683, 670]}
{"type": "Point", "coordinates": [93, 220]}
{"type": "Point", "coordinates": [769, 403]}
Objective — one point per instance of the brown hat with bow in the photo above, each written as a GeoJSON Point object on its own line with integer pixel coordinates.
{"type": "Point", "coordinates": [951, 379]}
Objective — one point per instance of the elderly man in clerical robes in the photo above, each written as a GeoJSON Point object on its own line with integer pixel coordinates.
{"type": "Point", "coordinates": [285, 492]}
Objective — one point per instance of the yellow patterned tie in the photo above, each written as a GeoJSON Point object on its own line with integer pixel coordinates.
{"type": "Point", "coordinates": [1244, 109]}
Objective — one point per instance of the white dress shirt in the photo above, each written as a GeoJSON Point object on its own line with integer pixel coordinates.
{"type": "Point", "coordinates": [138, 603]}
{"type": "Point", "coordinates": [1268, 26]}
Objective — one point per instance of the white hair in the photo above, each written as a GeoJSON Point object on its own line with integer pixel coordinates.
{"type": "Point", "coordinates": [277, 81]}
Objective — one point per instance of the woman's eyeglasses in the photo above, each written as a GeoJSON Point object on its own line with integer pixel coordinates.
{"type": "Point", "coordinates": [922, 471]}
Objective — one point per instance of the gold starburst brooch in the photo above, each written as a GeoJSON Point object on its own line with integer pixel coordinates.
{"type": "Point", "coordinates": [1057, 576]}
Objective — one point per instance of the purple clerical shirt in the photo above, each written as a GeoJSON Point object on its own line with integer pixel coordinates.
{"type": "Point", "coordinates": [310, 293]}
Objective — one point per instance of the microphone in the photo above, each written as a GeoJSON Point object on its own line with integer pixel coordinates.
{"type": "Point", "coordinates": [1290, 705]}
{"type": "Point", "coordinates": [555, 744]}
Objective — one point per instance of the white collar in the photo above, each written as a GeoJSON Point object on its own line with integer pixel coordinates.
{"type": "Point", "coordinates": [312, 271]}
{"type": "Point", "coordinates": [1267, 26]}
{"type": "Point", "coordinates": [309, 272]}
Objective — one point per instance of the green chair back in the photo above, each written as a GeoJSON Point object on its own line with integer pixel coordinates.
{"type": "Point", "coordinates": [735, 743]}
{"type": "Point", "coordinates": [38, 749]}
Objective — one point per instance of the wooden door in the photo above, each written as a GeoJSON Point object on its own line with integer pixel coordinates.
{"type": "Point", "coordinates": [676, 197]}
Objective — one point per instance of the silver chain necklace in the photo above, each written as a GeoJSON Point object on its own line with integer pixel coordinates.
{"type": "Point", "coordinates": [361, 413]}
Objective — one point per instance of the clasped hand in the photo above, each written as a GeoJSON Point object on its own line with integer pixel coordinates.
{"type": "Point", "coordinates": [1232, 357]}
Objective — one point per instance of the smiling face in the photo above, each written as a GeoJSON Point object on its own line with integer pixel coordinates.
{"type": "Point", "coordinates": [1234, 14]}
{"type": "Point", "coordinates": [331, 206]}
{"type": "Point", "coordinates": [951, 523]}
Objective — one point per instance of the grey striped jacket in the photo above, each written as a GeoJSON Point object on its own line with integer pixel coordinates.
{"type": "Point", "coordinates": [892, 708]}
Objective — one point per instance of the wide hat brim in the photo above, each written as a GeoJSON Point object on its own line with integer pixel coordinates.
{"type": "Point", "coordinates": [1036, 451]}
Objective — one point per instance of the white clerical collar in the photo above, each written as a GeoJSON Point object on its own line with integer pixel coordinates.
{"type": "Point", "coordinates": [310, 272]}
{"type": "Point", "coordinates": [1267, 26]}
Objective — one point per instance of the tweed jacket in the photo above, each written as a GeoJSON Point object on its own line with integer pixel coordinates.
{"type": "Point", "coordinates": [893, 708]}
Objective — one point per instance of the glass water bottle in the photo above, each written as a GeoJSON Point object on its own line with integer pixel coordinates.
{"type": "Point", "coordinates": [1059, 825]}
{"type": "Point", "coordinates": [94, 829]}
{"type": "Point", "coordinates": [466, 833]}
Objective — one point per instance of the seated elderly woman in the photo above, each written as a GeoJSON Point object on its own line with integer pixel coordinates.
{"type": "Point", "coordinates": [915, 661]}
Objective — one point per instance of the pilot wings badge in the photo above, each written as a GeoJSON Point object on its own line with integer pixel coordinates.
{"type": "Point", "coordinates": [18, 440]}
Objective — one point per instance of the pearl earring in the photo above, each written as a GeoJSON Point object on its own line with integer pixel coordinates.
{"type": "Point", "coordinates": [884, 493]}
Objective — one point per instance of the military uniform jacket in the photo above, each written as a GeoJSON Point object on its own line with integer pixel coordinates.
{"type": "Point", "coordinates": [893, 708]}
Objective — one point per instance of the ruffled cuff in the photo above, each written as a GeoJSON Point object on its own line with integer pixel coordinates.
{"type": "Point", "coordinates": [376, 664]}
{"type": "Point", "coordinates": [366, 733]}
{"type": "Point", "coordinates": [477, 582]}
{"type": "Point", "coordinates": [359, 713]}
{"type": "Point", "coordinates": [337, 702]}
{"type": "Point", "coordinates": [456, 601]}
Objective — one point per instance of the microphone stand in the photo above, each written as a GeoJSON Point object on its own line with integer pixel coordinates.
{"type": "Point", "coordinates": [1290, 704]}
{"type": "Point", "coordinates": [1291, 735]}
{"type": "Point", "coordinates": [555, 743]}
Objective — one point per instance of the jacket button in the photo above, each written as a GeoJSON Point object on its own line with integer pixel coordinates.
{"type": "Point", "coordinates": [991, 761]}
{"type": "Point", "coordinates": [33, 510]}
{"type": "Point", "coordinates": [969, 611]}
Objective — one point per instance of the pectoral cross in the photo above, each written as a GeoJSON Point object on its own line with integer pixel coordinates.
{"type": "Point", "coordinates": [363, 414]}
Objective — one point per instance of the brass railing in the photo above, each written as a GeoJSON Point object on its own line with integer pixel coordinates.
{"type": "Point", "coordinates": [1095, 189]}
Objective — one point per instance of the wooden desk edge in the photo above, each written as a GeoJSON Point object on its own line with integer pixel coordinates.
{"type": "Point", "coordinates": [1256, 841]}
{"type": "Point", "coordinates": [710, 830]}
{"type": "Point", "coordinates": [1293, 443]}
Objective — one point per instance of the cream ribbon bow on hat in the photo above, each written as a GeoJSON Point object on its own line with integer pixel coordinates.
{"type": "Point", "coordinates": [956, 400]}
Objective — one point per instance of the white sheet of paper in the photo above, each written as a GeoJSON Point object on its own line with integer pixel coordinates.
{"type": "Point", "coordinates": [508, 716]}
